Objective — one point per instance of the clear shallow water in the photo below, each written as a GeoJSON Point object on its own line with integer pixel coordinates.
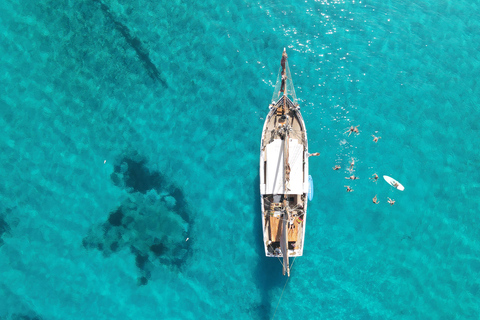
{"type": "Point", "coordinates": [129, 125]}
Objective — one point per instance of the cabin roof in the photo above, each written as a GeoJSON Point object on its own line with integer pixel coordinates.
{"type": "Point", "coordinates": [275, 168]}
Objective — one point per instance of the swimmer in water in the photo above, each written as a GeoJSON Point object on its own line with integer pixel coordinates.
{"type": "Point", "coordinates": [337, 167]}
{"type": "Point", "coordinates": [352, 129]}
{"type": "Point", "coordinates": [375, 139]}
{"type": "Point", "coordinates": [374, 178]}
{"type": "Point", "coordinates": [349, 189]}
{"type": "Point", "coordinates": [391, 201]}
{"type": "Point", "coordinates": [352, 177]}
{"type": "Point", "coordinates": [375, 200]}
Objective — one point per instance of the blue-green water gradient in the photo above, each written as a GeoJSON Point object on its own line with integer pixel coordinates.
{"type": "Point", "coordinates": [130, 126]}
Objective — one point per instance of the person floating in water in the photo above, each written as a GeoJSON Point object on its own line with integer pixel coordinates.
{"type": "Point", "coordinates": [352, 129]}
{"type": "Point", "coordinates": [374, 178]}
{"type": "Point", "coordinates": [349, 189]}
{"type": "Point", "coordinates": [316, 154]}
{"type": "Point", "coordinates": [352, 177]}
{"type": "Point", "coordinates": [375, 139]}
{"type": "Point", "coordinates": [352, 163]}
{"type": "Point", "coordinates": [375, 200]}
{"type": "Point", "coordinates": [337, 167]}
{"type": "Point", "coordinates": [391, 201]}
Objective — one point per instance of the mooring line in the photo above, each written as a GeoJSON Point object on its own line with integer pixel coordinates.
{"type": "Point", "coordinates": [288, 278]}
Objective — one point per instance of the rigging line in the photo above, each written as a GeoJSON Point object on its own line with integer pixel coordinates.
{"type": "Point", "coordinates": [277, 256]}
{"type": "Point", "coordinates": [291, 267]}
{"type": "Point", "coordinates": [288, 278]}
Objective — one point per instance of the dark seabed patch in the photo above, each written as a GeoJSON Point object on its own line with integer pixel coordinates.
{"type": "Point", "coordinates": [132, 174]}
{"type": "Point", "coordinates": [22, 307]}
{"type": "Point", "coordinates": [134, 43]}
{"type": "Point", "coordinates": [25, 317]}
{"type": "Point", "coordinates": [152, 222]}
{"type": "Point", "coordinates": [4, 225]}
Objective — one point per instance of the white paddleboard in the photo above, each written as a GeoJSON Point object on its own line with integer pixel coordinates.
{"type": "Point", "coordinates": [394, 183]}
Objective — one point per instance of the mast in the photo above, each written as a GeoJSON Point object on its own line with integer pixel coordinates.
{"type": "Point", "coordinates": [284, 243]}
{"type": "Point", "coordinates": [286, 167]}
{"type": "Point", "coordinates": [286, 212]}
{"type": "Point", "coordinates": [283, 63]}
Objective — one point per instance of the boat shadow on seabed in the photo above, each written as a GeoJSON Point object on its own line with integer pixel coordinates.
{"type": "Point", "coordinates": [268, 276]}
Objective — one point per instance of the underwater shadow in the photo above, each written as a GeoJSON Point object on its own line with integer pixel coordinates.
{"type": "Point", "coordinates": [268, 272]}
{"type": "Point", "coordinates": [152, 222]}
{"type": "Point", "coordinates": [135, 43]}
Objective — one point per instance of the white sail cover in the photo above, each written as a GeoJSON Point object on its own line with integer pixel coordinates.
{"type": "Point", "coordinates": [275, 168]}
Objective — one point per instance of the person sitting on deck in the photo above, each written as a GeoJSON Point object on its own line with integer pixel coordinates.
{"type": "Point", "coordinates": [291, 223]}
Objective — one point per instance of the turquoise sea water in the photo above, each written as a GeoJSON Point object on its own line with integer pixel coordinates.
{"type": "Point", "coordinates": [130, 126]}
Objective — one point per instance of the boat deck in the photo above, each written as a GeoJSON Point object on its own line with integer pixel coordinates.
{"type": "Point", "coordinates": [276, 120]}
{"type": "Point", "coordinates": [280, 115]}
{"type": "Point", "coordinates": [275, 229]}
{"type": "Point", "coordinates": [274, 221]}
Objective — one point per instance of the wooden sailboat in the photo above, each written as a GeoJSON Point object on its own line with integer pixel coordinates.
{"type": "Point", "coordinates": [284, 180]}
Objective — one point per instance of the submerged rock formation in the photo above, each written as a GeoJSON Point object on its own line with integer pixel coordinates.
{"type": "Point", "coordinates": [152, 223]}
{"type": "Point", "coordinates": [4, 225]}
